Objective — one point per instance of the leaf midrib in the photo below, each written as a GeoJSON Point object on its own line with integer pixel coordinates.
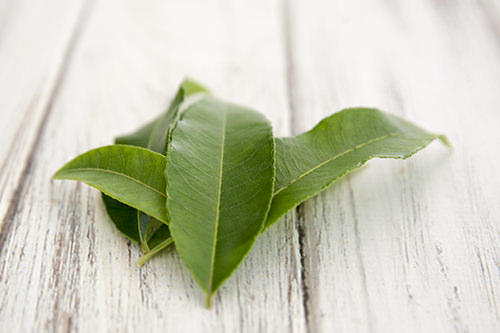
{"type": "Point", "coordinates": [122, 175]}
{"type": "Point", "coordinates": [217, 210]}
{"type": "Point", "coordinates": [335, 157]}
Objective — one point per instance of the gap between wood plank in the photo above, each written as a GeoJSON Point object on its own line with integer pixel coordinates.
{"type": "Point", "coordinates": [290, 80]}
{"type": "Point", "coordinates": [304, 287]}
{"type": "Point", "coordinates": [491, 20]}
{"type": "Point", "coordinates": [60, 75]}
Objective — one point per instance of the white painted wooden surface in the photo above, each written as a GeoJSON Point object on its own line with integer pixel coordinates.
{"type": "Point", "coordinates": [400, 246]}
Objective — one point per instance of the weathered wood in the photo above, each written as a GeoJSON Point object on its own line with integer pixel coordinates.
{"type": "Point", "coordinates": [400, 246]}
{"type": "Point", "coordinates": [36, 39]}
{"type": "Point", "coordinates": [404, 245]}
{"type": "Point", "coordinates": [63, 264]}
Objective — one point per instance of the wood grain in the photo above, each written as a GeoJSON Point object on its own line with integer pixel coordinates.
{"type": "Point", "coordinates": [77, 272]}
{"type": "Point", "coordinates": [408, 246]}
{"type": "Point", "coordinates": [412, 245]}
{"type": "Point", "coordinates": [34, 59]}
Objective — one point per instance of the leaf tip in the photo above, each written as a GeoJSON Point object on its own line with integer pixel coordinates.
{"type": "Point", "coordinates": [57, 175]}
{"type": "Point", "coordinates": [444, 139]}
{"type": "Point", "coordinates": [191, 86]}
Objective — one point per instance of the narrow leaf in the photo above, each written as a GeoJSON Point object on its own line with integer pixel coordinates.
{"type": "Point", "coordinates": [159, 237]}
{"type": "Point", "coordinates": [139, 138]}
{"type": "Point", "coordinates": [123, 218]}
{"type": "Point", "coordinates": [154, 134]}
{"type": "Point", "coordinates": [139, 227]}
{"type": "Point", "coordinates": [159, 137]}
{"type": "Point", "coordinates": [220, 173]}
{"type": "Point", "coordinates": [309, 163]}
{"type": "Point", "coordinates": [131, 175]}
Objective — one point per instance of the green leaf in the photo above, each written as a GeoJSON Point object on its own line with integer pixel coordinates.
{"type": "Point", "coordinates": [139, 138]}
{"type": "Point", "coordinates": [159, 137]}
{"type": "Point", "coordinates": [123, 218]}
{"type": "Point", "coordinates": [149, 226]}
{"type": "Point", "coordinates": [139, 227]}
{"type": "Point", "coordinates": [131, 175]}
{"type": "Point", "coordinates": [309, 163]}
{"type": "Point", "coordinates": [154, 135]}
{"type": "Point", "coordinates": [159, 237]}
{"type": "Point", "coordinates": [159, 241]}
{"type": "Point", "coordinates": [220, 174]}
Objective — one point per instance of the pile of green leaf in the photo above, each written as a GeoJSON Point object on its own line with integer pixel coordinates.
{"type": "Point", "coordinates": [210, 176]}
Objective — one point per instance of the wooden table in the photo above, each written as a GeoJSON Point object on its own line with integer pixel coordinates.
{"type": "Point", "coordinates": [401, 246]}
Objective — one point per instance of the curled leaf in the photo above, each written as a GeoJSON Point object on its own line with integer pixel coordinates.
{"type": "Point", "coordinates": [310, 162]}
{"type": "Point", "coordinates": [138, 226]}
{"type": "Point", "coordinates": [131, 175]}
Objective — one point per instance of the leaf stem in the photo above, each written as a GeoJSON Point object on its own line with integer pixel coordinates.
{"type": "Point", "coordinates": [142, 260]}
{"type": "Point", "coordinates": [444, 139]}
{"type": "Point", "coordinates": [208, 300]}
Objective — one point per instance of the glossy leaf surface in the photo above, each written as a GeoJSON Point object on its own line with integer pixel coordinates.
{"type": "Point", "coordinates": [131, 175]}
{"type": "Point", "coordinates": [220, 174]}
{"type": "Point", "coordinates": [154, 135]}
{"type": "Point", "coordinates": [139, 138]}
{"type": "Point", "coordinates": [310, 162]}
{"type": "Point", "coordinates": [159, 137]}
{"type": "Point", "coordinates": [147, 226]}
{"type": "Point", "coordinates": [139, 227]}
{"type": "Point", "coordinates": [123, 217]}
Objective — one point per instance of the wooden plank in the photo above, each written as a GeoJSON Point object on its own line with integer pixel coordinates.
{"type": "Point", "coordinates": [63, 266]}
{"type": "Point", "coordinates": [412, 245]}
{"type": "Point", "coordinates": [401, 246]}
{"type": "Point", "coordinates": [35, 40]}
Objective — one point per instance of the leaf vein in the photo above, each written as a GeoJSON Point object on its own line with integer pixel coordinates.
{"type": "Point", "coordinates": [122, 175]}
{"type": "Point", "coordinates": [364, 144]}
{"type": "Point", "coordinates": [217, 211]}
